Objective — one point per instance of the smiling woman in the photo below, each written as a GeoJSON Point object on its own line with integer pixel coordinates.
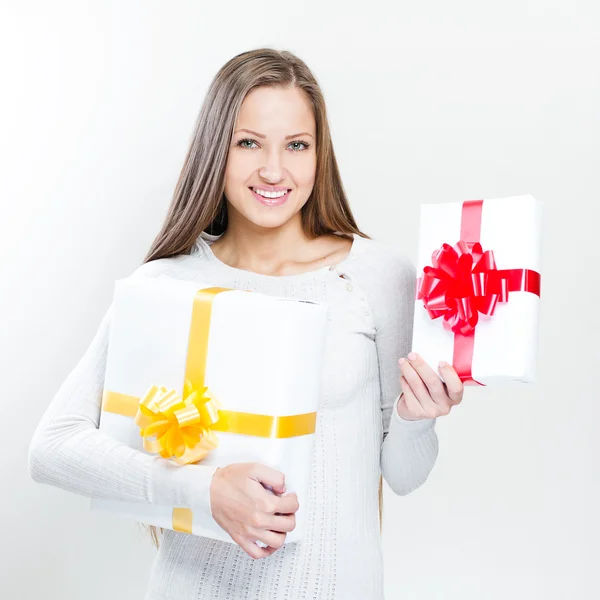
{"type": "Point", "coordinates": [260, 206]}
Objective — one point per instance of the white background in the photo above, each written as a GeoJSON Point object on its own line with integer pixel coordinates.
{"type": "Point", "coordinates": [428, 102]}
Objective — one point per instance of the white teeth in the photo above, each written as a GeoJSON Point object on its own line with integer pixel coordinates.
{"type": "Point", "coordinates": [267, 194]}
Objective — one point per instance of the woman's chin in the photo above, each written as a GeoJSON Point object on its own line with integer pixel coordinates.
{"type": "Point", "coordinates": [269, 219]}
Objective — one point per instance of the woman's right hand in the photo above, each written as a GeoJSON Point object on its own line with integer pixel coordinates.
{"type": "Point", "coordinates": [247, 511]}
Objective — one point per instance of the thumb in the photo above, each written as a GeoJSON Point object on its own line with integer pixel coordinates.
{"type": "Point", "coordinates": [270, 477]}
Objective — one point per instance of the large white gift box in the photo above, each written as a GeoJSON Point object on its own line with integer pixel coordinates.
{"type": "Point", "coordinates": [260, 358]}
{"type": "Point", "coordinates": [478, 288]}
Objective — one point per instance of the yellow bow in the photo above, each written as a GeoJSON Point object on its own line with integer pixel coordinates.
{"type": "Point", "coordinates": [178, 428]}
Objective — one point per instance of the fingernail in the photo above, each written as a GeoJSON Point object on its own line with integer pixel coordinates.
{"type": "Point", "coordinates": [412, 356]}
{"type": "Point", "coordinates": [401, 361]}
{"type": "Point", "coordinates": [442, 364]}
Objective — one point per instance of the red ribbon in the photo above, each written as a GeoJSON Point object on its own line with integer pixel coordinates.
{"type": "Point", "coordinates": [465, 281]}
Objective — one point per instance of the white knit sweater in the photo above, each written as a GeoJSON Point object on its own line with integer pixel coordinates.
{"type": "Point", "coordinates": [359, 436]}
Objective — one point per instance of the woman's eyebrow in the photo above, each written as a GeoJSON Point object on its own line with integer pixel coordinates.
{"type": "Point", "coordinates": [287, 137]}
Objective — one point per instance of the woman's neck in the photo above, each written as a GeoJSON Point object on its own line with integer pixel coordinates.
{"type": "Point", "coordinates": [277, 252]}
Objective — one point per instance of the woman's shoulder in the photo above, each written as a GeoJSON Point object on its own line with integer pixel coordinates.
{"type": "Point", "coordinates": [387, 277]}
{"type": "Point", "coordinates": [178, 265]}
{"type": "Point", "coordinates": [170, 265]}
{"type": "Point", "coordinates": [381, 261]}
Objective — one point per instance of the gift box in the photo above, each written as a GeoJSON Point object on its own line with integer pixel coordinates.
{"type": "Point", "coordinates": [234, 374]}
{"type": "Point", "coordinates": [478, 288]}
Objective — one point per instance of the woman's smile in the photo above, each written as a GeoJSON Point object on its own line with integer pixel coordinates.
{"type": "Point", "coordinates": [271, 198]}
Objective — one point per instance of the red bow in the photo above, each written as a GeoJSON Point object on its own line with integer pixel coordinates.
{"type": "Point", "coordinates": [462, 283]}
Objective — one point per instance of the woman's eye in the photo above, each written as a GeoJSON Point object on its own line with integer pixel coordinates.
{"type": "Point", "coordinates": [302, 144]}
{"type": "Point", "coordinates": [243, 143]}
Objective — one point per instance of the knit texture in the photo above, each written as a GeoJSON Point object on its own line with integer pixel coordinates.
{"type": "Point", "coordinates": [359, 436]}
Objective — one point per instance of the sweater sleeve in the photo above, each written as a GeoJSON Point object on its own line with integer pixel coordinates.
{"type": "Point", "coordinates": [68, 450]}
{"type": "Point", "coordinates": [409, 448]}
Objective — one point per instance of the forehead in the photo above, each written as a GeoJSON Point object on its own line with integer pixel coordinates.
{"type": "Point", "coordinates": [276, 111]}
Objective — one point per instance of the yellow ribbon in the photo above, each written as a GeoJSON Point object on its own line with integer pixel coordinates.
{"type": "Point", "coordinates": [182, 428]}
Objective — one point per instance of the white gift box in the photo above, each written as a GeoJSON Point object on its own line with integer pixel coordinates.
{"type": "Point", "coordinates": [264, 356]}
{"type": "Point", "coordinates": [503, 345]}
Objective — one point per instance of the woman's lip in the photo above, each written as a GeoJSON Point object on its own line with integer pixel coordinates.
{"type": "Point", "coordinates": [271, 201]}
{"type": "Point", "coordinates": [270, 188]}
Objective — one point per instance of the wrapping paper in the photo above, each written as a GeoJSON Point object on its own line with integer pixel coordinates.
{"type": "Point", "coordinates": [478, 288]}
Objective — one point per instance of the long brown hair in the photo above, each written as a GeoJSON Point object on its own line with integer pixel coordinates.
{"type": "Point", "coordinates": [199, 205]}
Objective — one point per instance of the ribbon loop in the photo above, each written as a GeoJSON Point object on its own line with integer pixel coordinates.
{"type": "Point", "coordinates": [463, 282]}
{"type": "Point", "coordinates": [178, 428]}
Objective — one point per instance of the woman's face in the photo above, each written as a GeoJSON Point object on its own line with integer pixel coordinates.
{"type": "Point", "coordinates": [272, 151]}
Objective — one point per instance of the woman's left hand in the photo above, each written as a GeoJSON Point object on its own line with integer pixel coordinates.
{"type": "Point", "coordinates": [425, 395]}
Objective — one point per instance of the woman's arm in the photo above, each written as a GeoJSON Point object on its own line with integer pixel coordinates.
{"type": "Point", "coordinates": [409, 448]}
{"type": "Point", "coordinates": [70, 452]}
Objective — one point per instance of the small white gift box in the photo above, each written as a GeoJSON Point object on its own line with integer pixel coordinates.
{"type": "Point", "coordinates": [260, 358]}
{"type": "Point", "coordinates": [478, 288]}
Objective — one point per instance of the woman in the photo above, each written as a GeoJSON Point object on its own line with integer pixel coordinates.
{"type": "Point", "coordinates": [260, 206]}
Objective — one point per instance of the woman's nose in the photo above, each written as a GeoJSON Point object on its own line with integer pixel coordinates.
{"type": "Point", "coordinates": [273, 169]}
